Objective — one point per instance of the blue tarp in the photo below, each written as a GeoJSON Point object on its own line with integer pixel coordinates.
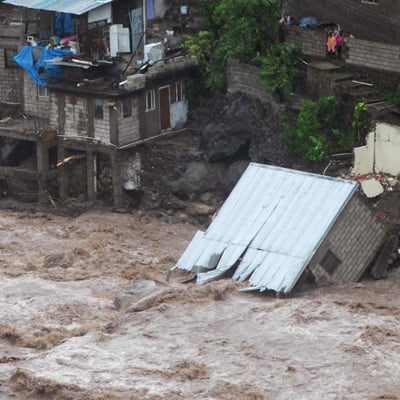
{"type": "Point", "coordinates": [34, 59]}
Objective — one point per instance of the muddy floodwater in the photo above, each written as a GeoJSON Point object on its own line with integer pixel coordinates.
{"type": "Point", "coordinates": [86, 314]}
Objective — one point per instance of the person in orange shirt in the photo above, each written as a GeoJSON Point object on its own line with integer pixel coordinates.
{"type": "Point", "coordinates": [331, 44]}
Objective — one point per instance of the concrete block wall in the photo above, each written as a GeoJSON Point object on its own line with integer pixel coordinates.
{"type": "Point", "coordinates": [354, 240]}
{"type": "Point", "coordinates": [35, 105]}
{"type": "Point", "coordinates": [102, 126]}
{"type": "Point", "coordinates": [312, 42]}
{"type": "Point", "coordinates": [10, 76]}
{"type": "Point", "coordinates": [245, 78]}
{"type": "Point", "coordinates": [128, 128]}
{"type": "Point", "coordinates": [359, 53]}
{"type": "Point", "coordinates": [376, 22]}
{"type": "Point", "coordinates": [76, 116]}
{"type": "Point", "coordinates": [374, 55]}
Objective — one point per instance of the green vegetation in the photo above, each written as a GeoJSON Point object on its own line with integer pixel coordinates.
{"type": "Point", "coordinates": [279, 66]}
{"type": "Point", "coordinates": [394, 98]}
{"type": "Point", "coordinates": [316, 131]}
{"type": "Point", "coordinates": [360, 122]}
{"type": "Point", "coordinates": [234, 29]}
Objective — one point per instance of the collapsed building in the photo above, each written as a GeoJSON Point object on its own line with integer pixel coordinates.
{"type": "Point", "coordinates": [280, 226]}
{"type": "Point", "coordinates": [89, 88]}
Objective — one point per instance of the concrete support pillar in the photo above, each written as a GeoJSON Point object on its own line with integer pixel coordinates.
{"type": "Point", "coordinates": [42, 157]}
{"type": "Point", "coordinates": [91, 178]}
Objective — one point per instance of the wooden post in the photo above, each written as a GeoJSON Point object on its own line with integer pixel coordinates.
{"type": "Point", "coordinates": [62, 181]}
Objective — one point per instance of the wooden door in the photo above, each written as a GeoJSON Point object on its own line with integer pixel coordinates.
{"type": "Point", "coordinates": [163, 95]}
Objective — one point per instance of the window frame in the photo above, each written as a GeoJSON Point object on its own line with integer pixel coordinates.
{"type": "Point", "coordinates": [42, 91]}
{"type": "Point", "coordinates": [9, 58]}
{"type": "Point", "coordinates": [150, 100]}
{"type": "Point", "coordinates": [178, 92]}
{"type": "Point", "coordinates": [126, 107]}
{"type": "Point", "coordinates": [98, 105]}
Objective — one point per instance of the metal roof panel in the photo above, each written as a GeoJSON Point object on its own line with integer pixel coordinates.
{"type": "Point", "coordinates": [280, 216]}
{"type": "Point", "coordinates": [76, 7]}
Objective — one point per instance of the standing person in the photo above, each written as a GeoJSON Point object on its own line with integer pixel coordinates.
{"type": "Point", "coordinates": [339, 44]}
{"type": "Point", "coordinates": [331, 44]}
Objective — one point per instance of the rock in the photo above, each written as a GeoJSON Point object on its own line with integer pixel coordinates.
{"type": "Point", "coordinates": [151, 200]}
{"type": "Point", "coordinates": [220, 141]}
{"type": "Point", "coordinates": [136, 291]}
{"type": "Point", "coordinates": [233, 174]}
{"type": "Point", "coordinates": [174, 203]}
{"type": "Point", "coordinates": [199, 177]}
{"type": "Point", "coordinates": [200, 209]}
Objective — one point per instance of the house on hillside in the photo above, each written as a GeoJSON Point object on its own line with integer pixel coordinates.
{"type": "Point", "coordinates": [278, 223]}
{"type": "Point", "coordinates": [90, 88]}
{"type": "Point", "coordinates": [375, 20]}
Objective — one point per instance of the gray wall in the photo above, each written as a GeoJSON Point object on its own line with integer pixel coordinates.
{"type": "Point", "coordinates": [10, 78]}
{"type": "Point", "coordinates": [376, 22]}
{"type": "Point", "coordinates": [354, 239]}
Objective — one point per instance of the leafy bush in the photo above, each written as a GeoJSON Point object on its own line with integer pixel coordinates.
{"type": "Point", "coordinates": [234, 29]}
{"type": "Point", "coordinates": [328, 111]}
{"type": "Point", "coordinates": [360, 122]}
{"type": "Point", "coordinates": [394, 98]}
{"type": "Point", "coordinates": [279, 67]}
{"type": "Point", "coordinates": [304, 138]}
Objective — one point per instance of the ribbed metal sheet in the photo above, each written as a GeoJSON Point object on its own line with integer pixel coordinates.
{"type": "Point", "coordinates": [76, 7]}
{"type": "Point", "coordinates": [271, 225]}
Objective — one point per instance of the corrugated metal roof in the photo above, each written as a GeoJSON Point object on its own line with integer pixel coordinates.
{"type": "Point", "coordinates": [77, 7]}
{"type": "Point", "coordinates": [270, 226]}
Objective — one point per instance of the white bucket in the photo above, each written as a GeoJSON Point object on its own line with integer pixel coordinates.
{"type": "Point", "coordinates": [184, 9]}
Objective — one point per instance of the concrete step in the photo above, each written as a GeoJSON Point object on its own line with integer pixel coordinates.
{"type": "Point", "coordinates": [341, 76]}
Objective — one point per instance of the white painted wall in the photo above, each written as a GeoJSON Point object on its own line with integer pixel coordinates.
{"type": "Point", "coordinates": [381, 154]}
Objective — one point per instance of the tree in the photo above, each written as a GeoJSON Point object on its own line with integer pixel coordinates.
{"type": "Point", "coordinates": [234, 29]}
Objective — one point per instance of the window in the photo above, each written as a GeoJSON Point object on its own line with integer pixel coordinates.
{"type": "Point", "coordinates": [150, 100]}
{"type": "Point", "coordinates": [330, 262]}
{"type": "Point", "coordinates": [126, 108]}
{"type": "Point", "coordinates": [42, 91]}
{"type": "Point", "coordinates": [9, 58]}
{"type": "Point", "coordinates": [98, 108]}
{"type": "Point", "coordinates": [177, 92]}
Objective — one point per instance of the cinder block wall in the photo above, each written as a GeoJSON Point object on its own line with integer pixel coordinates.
{"type": "Point", "coordinates": [357, 52]}
{"type": "Point", "coordinates": [374, 55]}
{"type": "Point", "coordinates": [128, 128]}
{"type": "Point", "coordinates": [354, 239]}
{"type": "Point", "coordinates": [35, 105]}
{"type": "Point", "coordinates": [311, 42]}
{"type": "Point", "coordinates": [10, 75]}
{"type": "Point", "coordinates": [245, 78]}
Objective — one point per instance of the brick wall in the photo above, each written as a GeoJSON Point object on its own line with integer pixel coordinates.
{"type": "Point", "coordinates": [359, 53]}
{"type": "Point", "coordinates": [36, 104]}
{"type": "Point", "coordinates": [312, 43]}
{"type": "Point", "coordinates": [244, 78]}
{"type": "Point", "coordinates": [374, 55]}
{"type": "Point", "coordinates": [10, 73]}
{"type": "Point", "coordinates": [102, 125]}
{"type": "Point", "coordinates": [354, 240]}
{"type": "Point", "coordinates": [377, 22]}
{"type": "Point", "coordinates": [128, 128]}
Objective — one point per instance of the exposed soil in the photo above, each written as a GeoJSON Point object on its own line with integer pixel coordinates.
{"type": "Point", "coordinates": [86, 313]}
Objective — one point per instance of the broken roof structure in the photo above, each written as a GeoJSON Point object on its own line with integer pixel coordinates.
{"type": "Point", "coordinates": [276, 222]}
